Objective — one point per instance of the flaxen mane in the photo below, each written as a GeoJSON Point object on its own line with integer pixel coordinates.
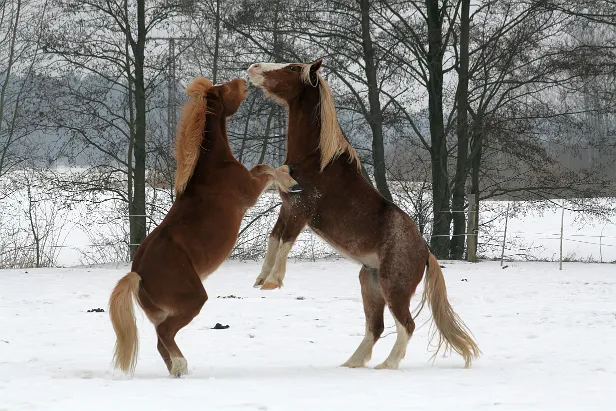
{"type": "Point", "coordinates": [331, 142]}
{"type": "Point", "coordinates": [190, 132]}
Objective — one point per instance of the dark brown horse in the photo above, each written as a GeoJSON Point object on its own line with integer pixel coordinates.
{"type": "Point", "coordinates": [213, 193]}
{"type": "Point", "coordinates": [339, 205]}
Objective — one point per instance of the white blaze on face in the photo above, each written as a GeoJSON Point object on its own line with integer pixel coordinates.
{"type": "Point", "coordinates": [256, 70]}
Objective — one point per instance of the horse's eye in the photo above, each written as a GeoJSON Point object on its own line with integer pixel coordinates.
{"type": "Point", "coordinates": [292, 68]}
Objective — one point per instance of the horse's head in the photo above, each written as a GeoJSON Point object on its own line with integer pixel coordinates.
{"type": "Point", "coordinates": [284, 81]}
{"type": "Point", "coordinates": [230, 95]}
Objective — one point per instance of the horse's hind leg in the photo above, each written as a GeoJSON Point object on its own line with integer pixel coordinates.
{"type": "Point", "coordinates": [164, 353]}
{"type": "Point", "coordinates": [186, 307]}
{"type": "Point", "coordinates": [374, 306]}
{"type": "Point", "coordinates": [398, 278]}
{"type": "Point", "coordinates": [156, 316]}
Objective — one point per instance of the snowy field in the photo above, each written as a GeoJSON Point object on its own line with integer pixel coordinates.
{"type": "Point", "coordinates": [547, 338]}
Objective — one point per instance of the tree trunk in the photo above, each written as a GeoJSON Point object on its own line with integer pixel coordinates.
{"type": "Point", "coordinates": [459, 182]}
{"type": "Point", "coordinates": [375, 116]}
{"type": "Point", "coordinates": [268, 128]}
{"type": "Point", "coordinates": [137, 217]}
{"type": "Point", "coordinates": [476, 150]}
{"type": "Point", "coordinates": [439, 242]}
{"type": "Point", "coordinates": [6, 81]}
{"type": "Point", "coordinates": [131, 133]}
{"type": "Point", "coordinates": [216, 44]}
{"type": "Point", "coordinates": [246, 125]}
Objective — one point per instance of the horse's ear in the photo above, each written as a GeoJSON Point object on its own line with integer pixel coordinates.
{"type": "Point", "coordinates": [314, 67]}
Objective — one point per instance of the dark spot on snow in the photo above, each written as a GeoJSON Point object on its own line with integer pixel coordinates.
{"type": "Point", "coordinates": [464, 279]}
{"type": "Point", "coordinates": [300, 298]}
{"type": "Point", "coordinates": [230, 296]}
{"type": "Point", "coordinates": [505, 266]}
{"type": "Point", "coordinates": [96, 310]}
{"type": "Point", "coordinates": [4, 341]}
{"type": "Point", "coordinates": [442, 266]}
{"type": "Point", "coordinates": [219, 326]}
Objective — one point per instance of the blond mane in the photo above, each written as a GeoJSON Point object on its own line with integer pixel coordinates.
{"type": "Point", "coordinates": [190, 132]}
{"type": "Point", "coordinates": [331, 141]}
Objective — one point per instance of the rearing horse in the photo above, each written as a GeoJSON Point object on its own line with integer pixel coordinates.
{"type": "Point", "coordinates": [339, 205]}
{"type": "Point", "coordinates": [213, 191]}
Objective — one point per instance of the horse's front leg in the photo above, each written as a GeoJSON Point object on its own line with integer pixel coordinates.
{"type": "Point", "coordinates": [265, 175]}
{"type": "Point", "coordinates": [272, 248]}
{"type": "Point", "coordinates": [292, 225]}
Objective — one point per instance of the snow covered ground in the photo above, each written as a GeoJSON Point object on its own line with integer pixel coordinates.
{"type": "Point", "coordinates": [547, 338]}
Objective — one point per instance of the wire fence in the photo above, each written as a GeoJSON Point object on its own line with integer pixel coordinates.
{"type": "Point", "coordinates": [51, 233]}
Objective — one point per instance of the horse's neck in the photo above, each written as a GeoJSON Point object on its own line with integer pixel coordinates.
{"type": "Point", "coordinates": [304, 129]}
{"type": "Point", "coordinates": [215, 146]}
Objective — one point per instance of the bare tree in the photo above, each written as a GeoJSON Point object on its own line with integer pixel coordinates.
{"type": "Point", "coordinates": [107, 41]}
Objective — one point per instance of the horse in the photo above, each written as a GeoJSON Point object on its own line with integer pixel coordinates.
{"type": "Point", "coordinates": [341, 206]}
{"type": "Point", "coordinates": [213, 192]}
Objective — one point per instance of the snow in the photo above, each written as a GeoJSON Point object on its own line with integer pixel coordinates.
{"type": "Point", "coordinates": [547, 338]}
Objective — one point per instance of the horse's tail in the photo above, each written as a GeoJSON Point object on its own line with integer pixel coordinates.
{"type": "Point", "coordinates": [122, 313]}
{"type": "Point", "coordinates": [452, 333]}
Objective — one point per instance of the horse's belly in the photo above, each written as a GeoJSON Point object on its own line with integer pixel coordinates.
{"type": "Point", "coordinates": [350, 249]}
{"type": "Point", "coordinates": [214, 245]}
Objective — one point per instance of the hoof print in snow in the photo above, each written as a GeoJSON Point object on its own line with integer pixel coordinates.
{"type": "Point", "coordinates": [442, 266]}
{"type": "Point", "coordinates": [96, 310]}
{"type": "Point", "coordinates": [219, 326]}
{"type": "Point", "coordinates": [300, 298]}
{"type": "Point", "coordinates": [464, 279]}
{"type": "Point", "coordinates": [230, 296]}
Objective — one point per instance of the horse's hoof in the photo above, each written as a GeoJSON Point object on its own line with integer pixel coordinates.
{"type": "Point", "coordinates": [269, 286]}
{"type": "Point", "coordinates": [258, 283]}
{"type": "Point", "coordinates": [386, 366]}
{"type": "Point", "coordinates": [295, 189]}
{"type": "Point", "coordinates": [179, 367]}
{"type": "Point", "coordinates": [352, 365]}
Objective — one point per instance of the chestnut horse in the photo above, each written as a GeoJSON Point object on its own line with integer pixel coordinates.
{"type": "Point", "coordinates": [339, 205]}
{"type": "Point", "coordinates": [213, 191]}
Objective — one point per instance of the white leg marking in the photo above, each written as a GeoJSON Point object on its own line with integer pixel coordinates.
{"type": "Point", "coordinates": [363, 353]}
{"type": "Point", "coordinates": [398, 351]}
{"type": "Point", "coordinates": [270, 257]}
{"type": "Point", "coordinates": [179, 366]}
{"type": "Point", "coordinates": [280, 265]}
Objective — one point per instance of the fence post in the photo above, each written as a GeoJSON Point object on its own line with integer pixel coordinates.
{"type": "Point", "coordinates": [471, 229]}
{"type": "Point", "coordinates": [562, 220]}
{"type": "Point", "coordinates": [601, 244]}
{"type": "Point", "coordinates": [504, 235]}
